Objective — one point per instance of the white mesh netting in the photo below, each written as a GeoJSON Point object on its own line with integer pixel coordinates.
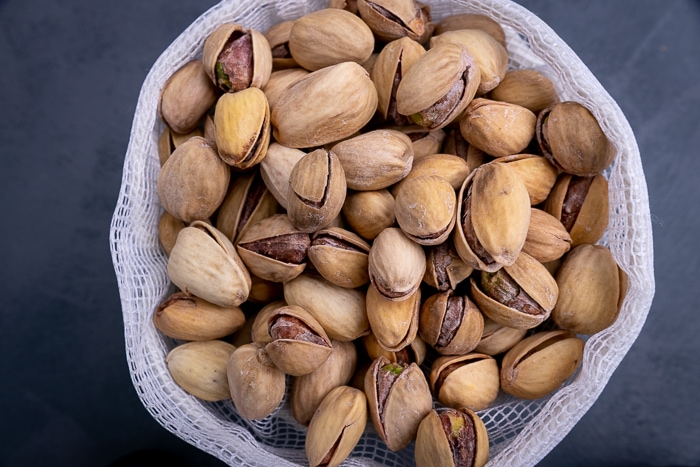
{"type": "Point", "coordinates": [521, 432]}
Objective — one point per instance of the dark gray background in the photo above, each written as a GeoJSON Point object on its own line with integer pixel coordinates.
{"type": "Point", "coordinates": [70, 74]}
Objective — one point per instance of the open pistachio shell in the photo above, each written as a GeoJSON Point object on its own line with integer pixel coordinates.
{"type": "Point", "coordinates": [446, 270]}
{"type": "Point", "coordinates": [451, 324]}
{"type": "Point", "coordinates": [259, 331]}
{"type": "Point", "coordinates": [393, 19]}
{"type": "Point", "coordinates": [278, 38]}
{"type": "Point", "coordinates": [441, 436]}
{"type": "Point", "coordinates": [200, 368]}
{"type": "Point", "coordinates": [340, 256]}
{"type": "Point", "coordinates": [470, 381]}
{"type": "Point", "coordinates": [415, 352]}
{"type": "Point", "coordinates": [276, 168]}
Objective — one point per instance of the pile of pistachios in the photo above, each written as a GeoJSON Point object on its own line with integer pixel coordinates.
{"type": "Point", "coordinates": [372, 203]}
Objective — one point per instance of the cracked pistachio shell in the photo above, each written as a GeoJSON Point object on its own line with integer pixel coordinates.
{"type": "Point", "coordinates": [527, 88]}
{"type": "Point", "coordinates": [530, 282]}
{"type": "Point", "coordinates": [426, 208]}
{"type": "Point", "coordinates": [247, 202]}
{"type": "Point", "coordinates": [537, 174]}
{"type": "Point", "coordinates": [259, 331]}
{"type": "Point", "coordinates": [490, 56]}
{"type": "Point", "coordinates": [376, 159]}
{"type": "Point", "coordinates": [393, 324]}
{"type": "Point", "coordinates": [368, 213]}
{"type": "Point", "coordinates": [393, 19]}
{"type": "Point", "coordinates": [571, 138]}
{"type": "Point", "coordinates": [336, 427]}
{"type": "Point", "coordinates": [434, 444]}
{"type": "Point", "coordinates": [316, 191]}
{"type": "Point", "coordinates": [452, 168]}
{"type": "Point", "coordinates": [340, 256]}
{"type": "Point", "coordinates": [274, 249]}
{"type": "Point", "coordinates": [582, 205]}
{"type": "Point", "coordinates": [278, 38]}
{"type": "Point", "coordinates": [445, 269]}
{"type": "Point", "coordinates": [451, 324]}
{"type": "Point", "coordinates": [547, 239]}
{"type": "Point", "coordinates": [470, 381]}
{"type": "Point", "coordinates": [302, 345]}
{"type": "Point", "coordinates": [186, 317]}
{"type": "Point", "coordinates": [200, 368]}
{"type": "Point", "coordinates": [499, 216]}
{"type": "Point", "coordinates": [415, 352]}
{"type": "Point", "coordinates": [541, 363]}
{"type": "Point", "coordinates": [399, 398]}
{"type": "Point", "coordinates": [242, 121]}
{"type": "Point", "coordinates": [497, 128]}
{"type": "Point", "coordinates": [186, 97]}
{"type": "Point", "coordinates": [396, 264]}
{"type": "Point", "coordinates": [169, 141]}
{"type": "Point", "coordinates": [590, 290]}
{"type": "Point", "coordinates": [203, 262]}
{"type": "Point", "coordinates": [392, 63]}
{"type": "Point", "coordinates": [253, 58]}
{"type": "Point", "coordinates": [341, 311]}
{"type": "Point", "coordinates": [193, 181]}
{"type": "Point", "coordinates": [308, 391]}
{"type": "Point", "coordinates": [281, 80]}
{"type": "Point", "coordinates": [328, 37]}
{"type": "Point", "coordinates": [472, 21]}
{"type": "Point", "coordinates": [326, 106]}
{"type": "Point", "coordinates": [276, 168]}
{"type": "Point", "coordinates": [498, 338]}
{"type": "Point", "coordinates": [257, 386]}
{"type": "Point", "coordinates": [439, 86]}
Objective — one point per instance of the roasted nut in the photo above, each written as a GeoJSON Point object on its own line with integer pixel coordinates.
{"type": "Point", "coordinates": [415, 352]}
{"type": "Point", "coordinates": [452, 168]}
{"type": "Point", "coordinates": [472, 21]}
{"type": "Point", "coordinates": [203, 262]}
{"type": "Point", "coordinates": [340, 256]}
{"type": "Point", "coordinates": [451, 324]}
{"type": "Point", "coordinates": [396, 264]}
{"type": "Point", "coordinates": [193, 181]}
{"type": "Point", "coordinates": [439, 86]}
{"type": "Point", "coordinates": [582, 205]}
{"type": "Point", "coordinates": [393, 324]}
{"type": "Point", "coordinates": [591, 287]}
{"type": "Point", "coordinates": [498, 128]}
{"type": "Point", "coordinates": [452, 438]}
{"type": "Point", "coordinates": [278, 38]}
{"type": "Point", "coordinates": [326, 106]}
{"type": "Point", "coordinates": [399, 398]}
{"type": "Point", "coordinates": [328, 37]}
{"type": "Point", "coordinates": [309, 390]}
{"type": "Point", "coordinates": [299, 343]}
{"type": "Point", "coordinates": [260, 331]}
{"type": "Point", "coordinates": [547, 239]}
{"type": "Point", "coordinates": [498, 338]}
{"type": "Point", "coordinates": [425, 142]}
{"type": "Point", "coordinates": [369, 212]}
{"type": "Point", "coordinates": [537, 174]}
{"type": "Point", "coordinates": [186, 97]}
{"type": "Point", "coordinates": [445, 269]}
{"type": "Point", "coordinates": [242, 121]}
{"type": "Point", "coordinates": [456, 144]}
{"type": "Point", "coordinates": [276, 168]}
{"type": "Point", "coordinates": [274, 249]}
{"type": "Point", "coordinates": [470, 381]}
{"type": "Point", "coordinates": [393, 19]}
{"type": "Point", "coordinates": [236, 57]}
{"type": "Point", "coordinates": [541, 363]}
{"type": "Point", "coordinates": [169, 141]}
{"type": "Point", "coordinates": [521, 295]}
{"type": "Point", "coordinates": [336, 427]}
{"type": "Point", "coordinates": [183, 316]}
{"type": "Point", "coordinates": [341, 311]}
{"type": "Point", "coordinates": [256, 385]}
{"type": "Point", "coordinates": [526, 88]}
{"type": "Point", "coordinates": [279, 81]}
{"type": "Point", "coordinates": [494, 214]}
{"type": "Point", "coordinates": [200, 368]}
{"type": "Point", "coordinates": [263, 291]}
{"type": "Point", "coordinates": [571, 138]}
{"type": "Point", "coordinates": [426, 209]}
{"type": "Point", "coordinates": [168, 228]}
{"type": "Point", "coordinates": [312, 205]}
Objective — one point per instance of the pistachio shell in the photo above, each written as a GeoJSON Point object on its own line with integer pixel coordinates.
{"type": "Point", "coordinates": [186, 97]}
{"type": "Point", "coordinates": [445, 269]}
{"type": "Point", "coordinates": [470, 381]}
{"type": "Point", "coordinates": [393, 324]}
{"type": "Point", "coordinates": [547, 239]}
{"type": "Point", "coordinates": [183, 316]}
{"type": "Point", "coordinates": [200, 368]}
{"type": "Point", "coordinates": [527, 88]}
{"type": "Point", "coordinates": [426, 209]}
{"type": "Point", "coordinates": [425, 141]}
{"type": "Point", "coordinates": [168, 228]}
{"type": "Point", "coordinates": [537, 174]}
{"type": "Point", "coordinates": [472, 21]}
{"type": "Point", "coordinates": [278, 38]}
{"type": "Point", "coordinates": [396, 264]}
{"type": "Point", "coordinates": [279, 81]}
{"type": "Point", "coordinates": [433, 448]}
{"type": "Point", "coordinates": [452, 168]}
{"type": "Point", "coordinates": [340, 256]}
{"type": "Point", "coordinates": [415, 352]}
{"type": "Point", "coordinates": [393, 19]}
{"type": "Point", "coordinates": [276, 168]}
{"type": "Point", "coordinates": [451, 324]}
{"type": "Point", "coordinates": [368, 213]}
{"type": "Point", "coordinates": [498, 338]}
{"type": "Point", "coordinates": [260, 332]}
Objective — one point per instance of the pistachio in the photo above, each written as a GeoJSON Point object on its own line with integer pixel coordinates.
{"type": "Point", "coordinates": [183, 316]}
{"type": "Point", "coordinates": [415, 352]}
{"type": "Point", "coordinates": [470, 381]}
{"type": "Point", "coordinates": [571, 138]}
{"type": "Point", "coordinates": [276, 168]}
{"type": "Point", "coordinates": [399, 398]}
{"type": "Point", "coordinates": [278, 38]}
{"type": "Point", "coordinates": [452, 168]}
{"type": "Point", "coordinates": [393, 324]}
{"type": "Point", "coordinates": [541, 363]}
{"type": "Point", "coordinates": [393, 19]}
{"type": "Point", "coordinates": [260, 331]}
{"type": "Point", "coordinates": [547, 239]}
{"type": "Point", "coordinates": [498, 338]}
{"type": "Point", "coordinates": [203, 262]}
{"type": "Point", "coordinates": [336, 427]}
{"type": "Point", "coordinates": [328, 37]}
{"type": "Point", "coordinates": [396, 264]}
{"type": "Point", "coordinates": [368, 213]}
{"type": "Point", "coordinates": [526, 88]}
{"type": "Point", "coordinates": [445, 269]}
{"type": "Point", "coordinates": [347, 5]}
{"type": "Point", "coordinates": [452, 438]}
{"type": "Point", "coordinates": [193, 181]}
{"type": "Point", "coordinates": [537, 174]}
{"type": "Point", "coordinates": [451, 324]}
{"type": "Point", "coordinates": [426, 209]}
{"type": "Point", "coordinates": [200, 368]}
{"type": "Point", "coordinates": [472, 21]}
{"type": "Point", "coordinates": [312, 205]}
{"type": "Point", "coordinates": [257, 387]}
{"type": "Point", "coordinates": [169, 141]}
{"type": "Point", "coordinates": [340, 256]}
{"type": "Point", "coordinates": [456, 144]}
{"type": "Point", "coordinates": [186, 97]}
{"type": "Point", "coordinates": [279, 81]}
{"type": "Point", "coordinates": [425, 142]}
{"type": "Point", "coordinates": [168, 228]}
{"type": "Point", "coordinates": [263, 291]}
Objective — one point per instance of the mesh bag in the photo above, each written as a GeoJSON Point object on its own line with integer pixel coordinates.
{"type": "Point", "coordinates": [521, 432]}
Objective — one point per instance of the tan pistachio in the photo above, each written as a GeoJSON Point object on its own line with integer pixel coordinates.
{"type": "Point", "coordinates": [186, 317]}
{"type": "Point", "coordinates": [547, 239]}
{"type": "Point", "coordinates": [193, 181]}
{"type": "Point", "coordinates": [278, 38]}
{"type": "Point", "coordinates": [368, 213]}
{"type": "Point", "coordinates": [186, 97]}
{"type": "Point", "coordinates": [451, 168]}
{"type": "Point", "coordinates": [415, 352]}
{"type": "Point", "coordinates": [456, 144]}
{"type": "Point", "coordinates": [498, 338]}
{"type": "Point", "coordinates": [541, 363]}
{"type": "Point", "coordinates": [393, 19]}
{"type": "Point", "coordinates": [527, 88]}
{"type": "Point", "coordinates": [472, 21]}
{"type": "Point", "coordinates": [168, 228]}
{"type": "Point", "coordinates": [426, 209]}
{"type": "Point", "coordinates": [260, 331]}
{"type": "Point", "coordinates": [536, 172]}
{"type": "Point", "coordinates": [393, 324]}
{"type": "Point", "coordinates": [470, 381]}
{"type": "Point", "coordinates": [348, 5]}
{"type": "Point", "coordinates": [263, 291]}
{"type": "Point", "coordinates": [279, 81]}
{"type": "Point", "coordinates": [200, 368]}
{"type": "Point", "coordinates": [257, 387]}
{"type": "Point", "coordinates": [276, 168]}
{"type": "Point", "coordinates": [425, 142]}
{"type": "Point", "coordinates": [452, 438]}
{"type": "Point", "coordinates": [169, 141]}
{"type": "Point", "coordinates": [451, 323]}
{"type": "Point", "coordinates": [396, 264]}
{"type": "Point", "coordinates": [445, 269]}
{"type": "Point", "coordinates": [340, 256]}
{"type": "Point", "coordinates": [399, 398]}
